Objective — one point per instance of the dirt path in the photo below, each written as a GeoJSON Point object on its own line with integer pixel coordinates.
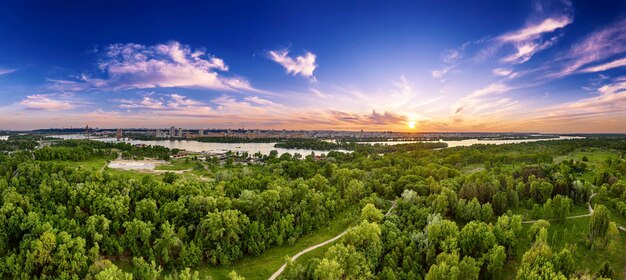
{"type": "Point", "coordinates": [282, 268]}
{"type": "Point", "coordinates": [573, 217]}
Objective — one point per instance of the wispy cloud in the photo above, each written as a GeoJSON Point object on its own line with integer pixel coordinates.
{"type": "Point", "coordinates": [529, 40]}
{"type": "Point", "coordinates": [595, 47]}
{"type": "Point", "coordinates": [303, 65]}
{"type": "Point", "coordinates": [48, 102]}
{"type": "Point", "coordinates": [502, 72]}
{"type": "Point", "coordinates": [494, 88]}
{"type": "Point", "coordinates": [4, 71]}
{"type": "Point", "coordinates": [606, 66]}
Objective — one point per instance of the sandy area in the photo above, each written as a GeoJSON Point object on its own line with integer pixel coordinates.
{"type": "Point", "coordinates": [143, 165]}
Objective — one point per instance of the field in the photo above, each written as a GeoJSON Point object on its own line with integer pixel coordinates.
{"type": "Point", "coordinates": [571, 235]}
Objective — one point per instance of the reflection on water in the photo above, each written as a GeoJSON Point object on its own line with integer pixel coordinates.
{"type": "Point", "coordinates": [469, 142]}
{"type": "Point", "coordinates": [195, 146]}
{"type": "Point", "coordinates": [265, 148]}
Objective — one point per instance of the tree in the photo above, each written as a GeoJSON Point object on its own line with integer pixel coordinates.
{"type": "Point", "coordinates": [476, 239]}
{"type": "Point", "coordinates": [143, 270]}
{"type": "Point", "coordinates": [496, 259]}
{"type": "Point", "coordinates": [537, 263]}
{"type": "Point", "coordinates": [328, 270]}
{"type": "Point", "coordinates": [371, 213]}
{"type": "Point", "coordinates": [168, 247]}
{"type": "Point", "coordinates": [599, 226]}
{"type": "Point", "coordinates": [541, 191]}
{"type": "Point", "coordinates": [137, 238]}
{"type": "Point", "coordinates": [536, 227]}
{"type": "Point", "coordinates": [234, 276]}
{"type": "Point", "coordinates": [507, 230]}
{"type": "Point", "coordinates": [561, 205]}
{"type": "Point", "coordinates": [169, 177]}
{"type": "Point", "coordinates": [449, 267]}
{"type": "Point", "coordinates": [606, 271]}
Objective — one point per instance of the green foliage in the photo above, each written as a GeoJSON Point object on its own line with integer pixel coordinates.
{"type": "Point", "coordinates": [371, 213]}
{"type": "Point", "coordinates": [58, 220]}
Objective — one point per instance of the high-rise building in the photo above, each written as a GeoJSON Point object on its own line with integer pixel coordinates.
{"type": "Point", "coordinates": [160, 134]}
{"type": "Point", "coordinates": [179, 133]}
{"type": "Point", "coordinates": [200, 132]}
{"type": "Point", "coordinates": [118, 134]}
{"type": "Point", "coordinates": [172, 131]}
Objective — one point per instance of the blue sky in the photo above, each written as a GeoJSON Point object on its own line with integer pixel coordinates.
{"type": "Point", "coordinates": [547, 66]}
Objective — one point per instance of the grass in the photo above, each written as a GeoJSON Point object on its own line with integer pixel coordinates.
{"type": "Point", "coordinates": [92, 164]}
{"type": "Point", "coordinates": [571, 235]}
{"type": "Point", "coordinates": [264, 265]}
{"type": "Point", "coordinates": [177, 164]}
{"type": "Point", "coordinates": [577, 209]}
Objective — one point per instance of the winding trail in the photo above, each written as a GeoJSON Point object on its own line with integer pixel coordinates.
{"type": "Point", "coordinates": [309, 249]}
{"type": "Point", "coordinates": [280, 270]}
{"type": "Point", "coordinates": [573, 217]}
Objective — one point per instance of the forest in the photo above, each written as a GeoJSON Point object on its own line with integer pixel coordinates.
{"type": "Point", "coordinates": [418, 211]}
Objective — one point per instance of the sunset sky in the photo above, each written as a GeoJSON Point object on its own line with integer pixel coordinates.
{"type": "Point", "coordinates": [521, 66]}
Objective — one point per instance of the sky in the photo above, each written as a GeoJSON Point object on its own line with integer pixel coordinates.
{"type": "Point", "coordinates": [492, 66]}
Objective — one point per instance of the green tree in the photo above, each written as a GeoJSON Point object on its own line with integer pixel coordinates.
{"type": "Point", "coordinates": [371, 213]}
{"type": "Point", "coordinates": [599, 226]}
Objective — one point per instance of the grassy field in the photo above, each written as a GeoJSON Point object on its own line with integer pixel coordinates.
{"type": "Point", "coordinates": [92, 164]}
{"type": "Point", "coordinates": [572, 235]}
{"type": "Point", "coordinates": [177, 164]}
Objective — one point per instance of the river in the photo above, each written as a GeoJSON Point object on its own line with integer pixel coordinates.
{"type": "Point", "coordinates": [265, 148]}
{"type": "Point", "coordinates": [469, 142]}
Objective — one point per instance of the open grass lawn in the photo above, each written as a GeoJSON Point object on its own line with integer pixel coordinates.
{"type": "Point", "coordinates": [571, 234]}
{"type": "Point", "coordinates": [92, 164]}
{"type": "Point", "coordinates": [177, 164]}
{"type": "Point", "coordinates": [596, 156]}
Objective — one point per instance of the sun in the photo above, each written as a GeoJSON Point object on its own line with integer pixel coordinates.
{"type": "Point", "coordinates": [411, 124]}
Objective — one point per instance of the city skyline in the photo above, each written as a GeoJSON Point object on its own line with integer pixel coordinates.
{"type": "Point", "coordinates": [546, 66]}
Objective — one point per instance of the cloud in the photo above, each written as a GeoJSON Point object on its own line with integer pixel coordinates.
{"type": "Point", "coordinates": [502, 72]}
{"type": "Point", "coordinates": [373, 118]}
{"type": "Point", "coordinates": [4, 71]}
{"type": "Point", "coordinates": [438, 74]}
{"type": "Point", "coordinates": [146, 103]}
{"type": "Point", "coordinates": [597, 46]}
{"type": "Point", "coordinates": [45, 102]}
{"type": "Point", "coordinates": [534, 31]}
{"type": "Point", "coordinates": [159, 102]}
{"type": "Point", "coordinates": [136, 66]}
{"type": "Point", "coordinates": [302, 65]}
{"type": "Point", "coordinates": [606, 66]}
{"type": "Point", "coordinates": [528, 40]}
{"type": "Point", "coordinates": [494, 88]}
{"type": "Point", "coordinates": [601, 113]}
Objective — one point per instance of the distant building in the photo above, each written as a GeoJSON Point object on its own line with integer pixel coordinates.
{"type": "Point", "coordinates": [179, 132]}
{"type": "Point", "coordinates": [200, 132]}
{"type": "Point", "coordinates": [172, 131]}
{"type": "Point", "coordinates": [160, 134]}
{"type": "Point", "coordinates": [118, 134]}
